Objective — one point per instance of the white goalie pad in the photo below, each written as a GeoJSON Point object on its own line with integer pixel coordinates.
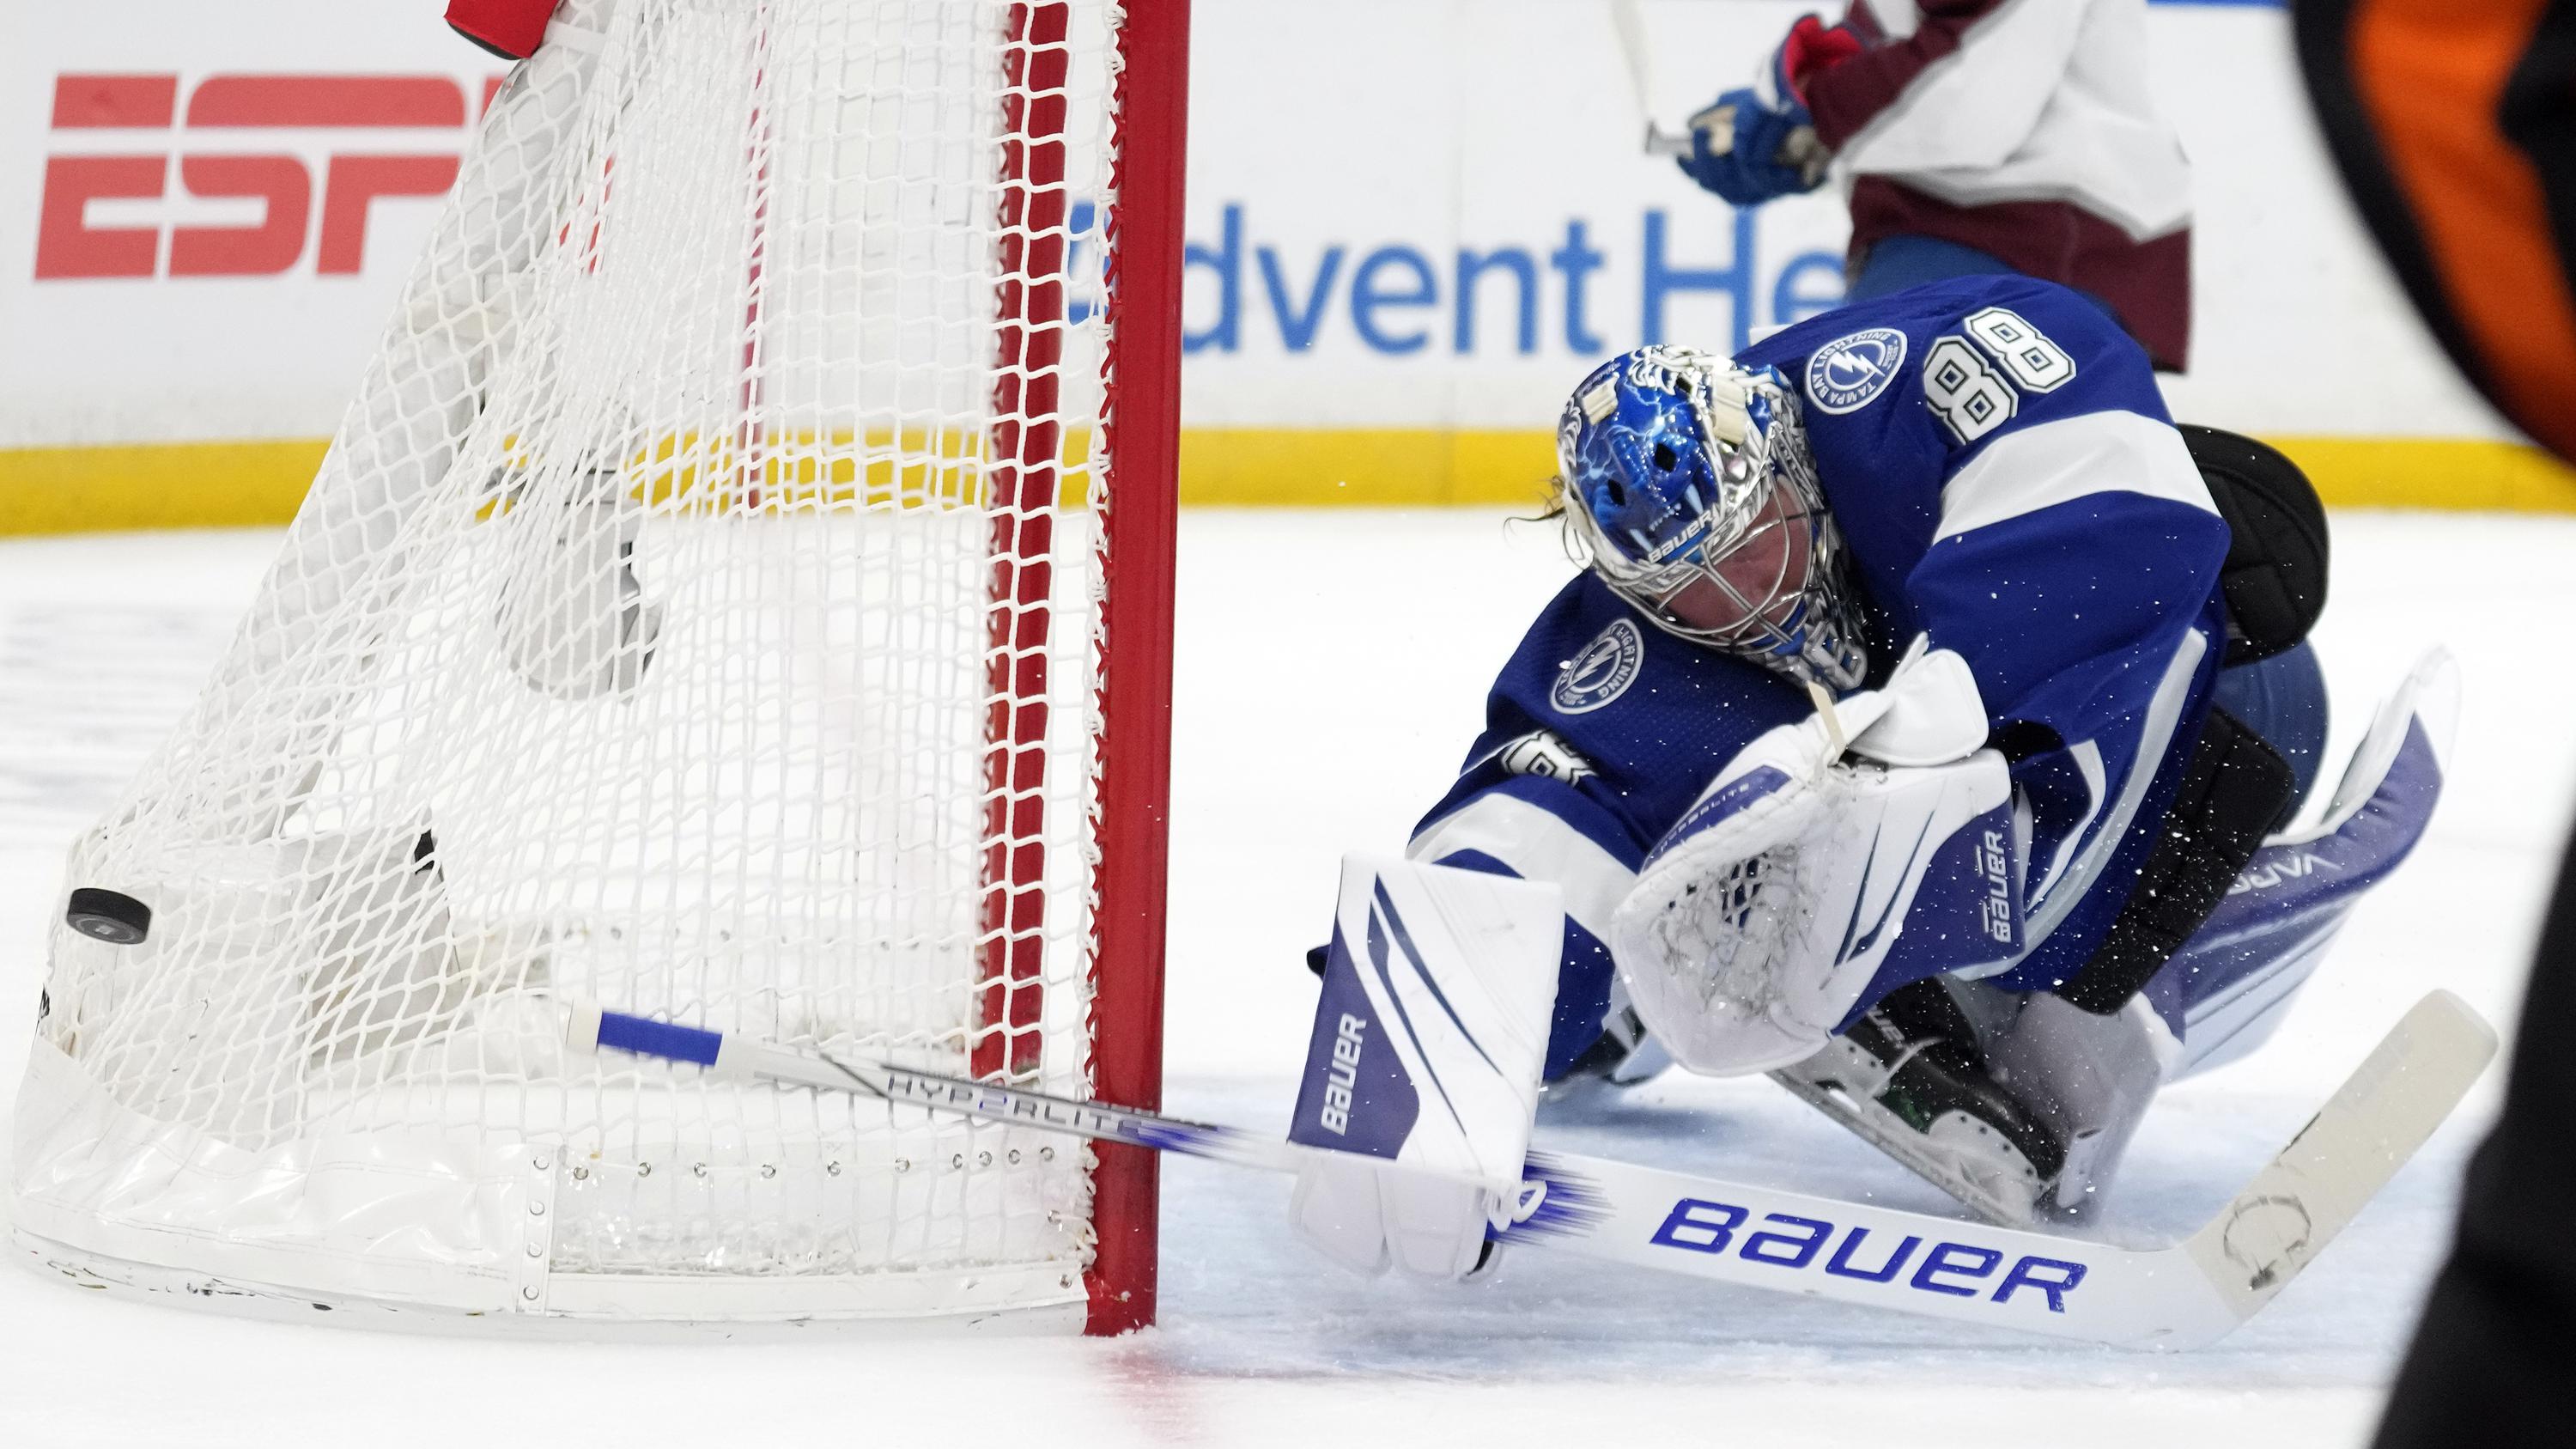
{"type": "Point", "coordinates": [2285, 909]}
{"type": "Point", "coordinates": [1758, 921]}
{"type": "Point", "coordinates": [1422, 1074]}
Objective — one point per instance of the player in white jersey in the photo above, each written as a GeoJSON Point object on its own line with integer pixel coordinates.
{"type": "Point", "coordinates": [1976, 136]}
{"type": "Point", "coordinates": [1881, 745]}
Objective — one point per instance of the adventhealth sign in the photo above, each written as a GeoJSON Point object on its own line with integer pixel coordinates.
{"type": "Point", "coordinates": [1569, 294]}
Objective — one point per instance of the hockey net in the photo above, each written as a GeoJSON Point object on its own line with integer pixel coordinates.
{"type": "Point", "coordinates": [726, 601]}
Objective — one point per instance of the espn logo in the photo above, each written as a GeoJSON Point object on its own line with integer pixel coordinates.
{"type": "Point", "coordinates": [225, 157]}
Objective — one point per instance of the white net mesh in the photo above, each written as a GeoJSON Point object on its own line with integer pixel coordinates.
{"type": "Point", "coordinates": [695, 617]}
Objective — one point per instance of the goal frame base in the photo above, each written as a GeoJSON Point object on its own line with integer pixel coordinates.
{"type": "Point", "coordinates": [597, 1308]}
{"type": "Point", "coordinates": [64, 1123]}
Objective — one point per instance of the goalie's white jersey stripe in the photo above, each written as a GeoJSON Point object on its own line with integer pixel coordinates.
{"type": "Point", "coordinates": [2087, 756]}
{"type": "Point", "coordinates": [2046, 464]}
{"type": "Point", "coordinates": [1540, 846]}
{"type": "Point", "coordinates": [2164, 712]}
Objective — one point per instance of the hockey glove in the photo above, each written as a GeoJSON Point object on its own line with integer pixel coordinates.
{"type": "Point", "coordinates": [1759, 143]}
{"type": "Point", "coordinates": [1760, 920]}
{"type": "Point", "coordinates": [1422, 1076]}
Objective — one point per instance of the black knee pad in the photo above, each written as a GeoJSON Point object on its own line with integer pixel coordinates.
{"type": "Point", "coordinates": [2275, 575]}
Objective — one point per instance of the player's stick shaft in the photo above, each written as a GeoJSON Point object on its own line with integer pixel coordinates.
{"type": "Point", "coordinates": [733, 1056]}
{"type": "Point", "coordinates": [1628, 24]}
{"type": "Point", "coordinates": [2181, 1296]}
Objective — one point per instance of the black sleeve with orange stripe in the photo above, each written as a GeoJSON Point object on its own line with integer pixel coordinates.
{"type": "Point", "coordinates": [2454, 125]}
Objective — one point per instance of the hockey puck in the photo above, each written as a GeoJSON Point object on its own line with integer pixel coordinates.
{"type": "Point", "coordinates": [110, 916]}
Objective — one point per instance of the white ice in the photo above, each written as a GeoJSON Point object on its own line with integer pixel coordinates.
{"type": "Point", "coordinates": [1331, 672]}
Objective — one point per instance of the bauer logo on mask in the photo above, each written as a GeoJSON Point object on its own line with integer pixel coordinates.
{"type": "Point", "coordinates": [1602, 671]}
{"type": "Point", "coordinates": [1847, 373]}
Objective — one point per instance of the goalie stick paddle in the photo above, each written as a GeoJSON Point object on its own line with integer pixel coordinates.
{"type": "Point", "coordinates": [2181, 1296]}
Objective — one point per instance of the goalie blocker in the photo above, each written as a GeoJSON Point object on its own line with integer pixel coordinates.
{"type": "Point", "coordinates": [1421, 1081]}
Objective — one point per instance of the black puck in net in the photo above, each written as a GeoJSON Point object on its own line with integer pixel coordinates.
{"type": "Point", "coordinates": [110, 916]}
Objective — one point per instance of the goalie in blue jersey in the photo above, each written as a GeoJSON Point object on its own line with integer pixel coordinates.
{"type": "Point", "coordinates": [1923, 732]}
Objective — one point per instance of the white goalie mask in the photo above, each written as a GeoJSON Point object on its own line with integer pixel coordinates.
{"type": "Point", "coordinates": [1689, 489]}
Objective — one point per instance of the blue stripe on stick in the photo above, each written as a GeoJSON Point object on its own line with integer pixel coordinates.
{"type": "Point", "coordinates": [658, 1038]}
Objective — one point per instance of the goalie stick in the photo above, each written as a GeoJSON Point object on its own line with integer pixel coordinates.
{"type": "Point", "coordinates": [2181, 1296]}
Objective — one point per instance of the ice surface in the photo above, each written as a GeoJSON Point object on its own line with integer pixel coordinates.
{"type": "Point", "coordinates": [1331, 671]}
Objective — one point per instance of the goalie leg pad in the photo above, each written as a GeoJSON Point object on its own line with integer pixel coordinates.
{"type": "Point", "coordinates": [2226, 989]}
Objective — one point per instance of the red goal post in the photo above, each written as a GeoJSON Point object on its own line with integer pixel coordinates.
{"type": "Point", "coordinates": [1140, 428]}
{"type": "Point", "coordinates": [1142, 425]}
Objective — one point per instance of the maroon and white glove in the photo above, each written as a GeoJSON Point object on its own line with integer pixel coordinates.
{"type": "Point", "coordinates": [1812, 46]}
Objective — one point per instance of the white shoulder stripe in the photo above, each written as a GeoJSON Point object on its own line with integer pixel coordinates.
{"type": "Point", "coordinates": [2155, 736]}
{"type": "Point", "coordinates": [1539, 846]}
{"type": "Point", "coordinates": [2058, 462]}
{"type": "Point", "coordinates": [2087, 756]}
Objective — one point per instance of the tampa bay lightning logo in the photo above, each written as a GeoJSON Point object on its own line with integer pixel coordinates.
{"type": "Point", "coordinates": [1848, 372]}
{"type": "Point", "coordinates": [1602, 671]}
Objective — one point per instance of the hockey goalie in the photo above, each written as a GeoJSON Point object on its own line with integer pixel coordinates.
{"type": "Point", "coordinates": [1925, 730]}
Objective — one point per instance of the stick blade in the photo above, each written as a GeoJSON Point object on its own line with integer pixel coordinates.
{"type": "Point", "coordinates": [2357, 1141]}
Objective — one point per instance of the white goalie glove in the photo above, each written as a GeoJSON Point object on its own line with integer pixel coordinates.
{"type": "Point", "coordinates": [1759, 919]}
{"type": "Point", "coordinates": [1422, 1076]}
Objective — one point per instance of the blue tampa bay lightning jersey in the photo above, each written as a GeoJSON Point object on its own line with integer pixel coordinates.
{"type": "Point", "coordinates": [2007, 481]}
